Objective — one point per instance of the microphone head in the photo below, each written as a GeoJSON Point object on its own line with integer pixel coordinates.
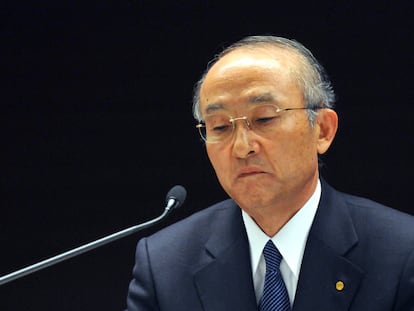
{"type": "Point", "coordinates": [176, 196]}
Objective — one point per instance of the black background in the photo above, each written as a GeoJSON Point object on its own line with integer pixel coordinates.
{"type": "Point", "coordinates": [97, 124]}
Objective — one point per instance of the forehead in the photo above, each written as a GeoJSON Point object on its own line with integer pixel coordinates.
{"type": "Point", "coordinates": [252, 59]}
{"type": "Point", "coordinates": [246, 74]}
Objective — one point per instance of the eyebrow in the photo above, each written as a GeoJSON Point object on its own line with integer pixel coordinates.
{"type": "Point", "coordinates": [261, 98]}
{"type": "Point", "coordinates": [214, 107]}
{"type": "Point", "coordinates": [256, 99]}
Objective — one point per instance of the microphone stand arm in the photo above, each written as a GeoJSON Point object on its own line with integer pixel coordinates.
{"type": "Point", "coordinates": [81, 249]}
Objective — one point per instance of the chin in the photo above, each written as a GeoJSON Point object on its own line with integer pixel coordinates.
{"type": "Point", "coordinates": [250, 196]}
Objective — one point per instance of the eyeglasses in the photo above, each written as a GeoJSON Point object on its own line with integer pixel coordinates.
{"type": "Point", "coordinates": [262, 119]}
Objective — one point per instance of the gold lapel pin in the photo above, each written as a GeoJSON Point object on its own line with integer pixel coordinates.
{"type": "Point", "coordinates": [339, 286]}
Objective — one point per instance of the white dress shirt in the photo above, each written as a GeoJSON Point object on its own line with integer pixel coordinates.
{"type": "Point", "coordinates": [290, 241]}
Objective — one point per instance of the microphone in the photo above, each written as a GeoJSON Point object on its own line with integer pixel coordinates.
{"type": "Point", "coordinates": [174, 199]}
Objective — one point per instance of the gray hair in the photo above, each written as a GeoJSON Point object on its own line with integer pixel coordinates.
{"type": "Point", "coordinates": [311, 76]}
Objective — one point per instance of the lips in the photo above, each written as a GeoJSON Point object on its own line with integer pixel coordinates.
{"type": "Point", "coordinates": [249, 171]}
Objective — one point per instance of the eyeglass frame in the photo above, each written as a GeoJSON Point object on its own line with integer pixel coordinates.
{"type": "Point", "coordinates": [232, 120]}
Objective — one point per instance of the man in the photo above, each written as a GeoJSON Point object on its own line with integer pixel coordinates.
{"type": "Point", "coordinates": [264, 108]}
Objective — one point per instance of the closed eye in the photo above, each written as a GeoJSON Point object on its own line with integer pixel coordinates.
{"type": "Point", "coordinates": [265, 120]}
{"type": "Point", "coordinates": [221, 128]}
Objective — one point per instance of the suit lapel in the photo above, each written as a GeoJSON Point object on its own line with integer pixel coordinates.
{"type": "Point", "coordinates": [224, 280]}
{"type": "Point", "coordinates": [328, 281]}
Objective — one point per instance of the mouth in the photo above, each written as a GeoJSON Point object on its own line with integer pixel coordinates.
{"type": "Point", "coordinates": [249, 172]}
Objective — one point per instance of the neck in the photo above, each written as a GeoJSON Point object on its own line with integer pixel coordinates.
{"type": "Point", "coordinates": [272, 218]}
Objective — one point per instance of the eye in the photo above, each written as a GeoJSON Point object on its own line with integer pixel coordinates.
{"type": "Point", "coordinates": [218, 124]}
{"type": "Point", "coordinates": [221, 128]}
{"type": "Point", "coordinates": [265, 120]}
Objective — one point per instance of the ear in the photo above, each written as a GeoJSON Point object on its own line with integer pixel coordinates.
{"type": "Point", "coordinates": [327, 120]}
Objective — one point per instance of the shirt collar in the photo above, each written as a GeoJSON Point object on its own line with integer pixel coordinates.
{"type": "Point", "coordinates": [290, 240]}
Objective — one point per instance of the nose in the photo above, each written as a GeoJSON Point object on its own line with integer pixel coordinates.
{"type": "Point", "coordinates": [244, 143]}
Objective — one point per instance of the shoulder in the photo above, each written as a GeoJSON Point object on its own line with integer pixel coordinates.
{"type": "Point", "coordinates": [382, 224]}
{"type": "Point", "coordinates": [373, 218]}
{"type": "Point", "coordinates": [386, 216]}
{"type": "Point", "coordinates": [195, 229]}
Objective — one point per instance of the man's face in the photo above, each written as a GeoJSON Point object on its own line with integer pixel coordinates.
{"type": "Point", "coordinates": [262, 171]}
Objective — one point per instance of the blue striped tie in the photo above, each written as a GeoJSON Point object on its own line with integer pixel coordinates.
{"type": "Point", "coordinates": [275, 296]}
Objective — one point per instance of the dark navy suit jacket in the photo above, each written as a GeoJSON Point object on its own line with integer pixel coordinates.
{"type": "Point", "coordinates": [202, 263]}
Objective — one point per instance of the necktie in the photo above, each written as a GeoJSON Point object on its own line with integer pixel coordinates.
{"type": "Point", "coordinates": [275, 296]}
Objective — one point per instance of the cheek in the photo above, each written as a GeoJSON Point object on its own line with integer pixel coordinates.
{"type": "Point", "coordinates": [220, 165]}
{"type": "Point", "coordinates": [216, 157]}
{"type": "Point", "coordinates": [307, 153]}
{"type": "Point", "coordinates": [294, 148]}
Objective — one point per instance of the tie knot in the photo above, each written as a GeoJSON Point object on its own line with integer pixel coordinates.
{"type": "Point", "coordinates": [272, 256]}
